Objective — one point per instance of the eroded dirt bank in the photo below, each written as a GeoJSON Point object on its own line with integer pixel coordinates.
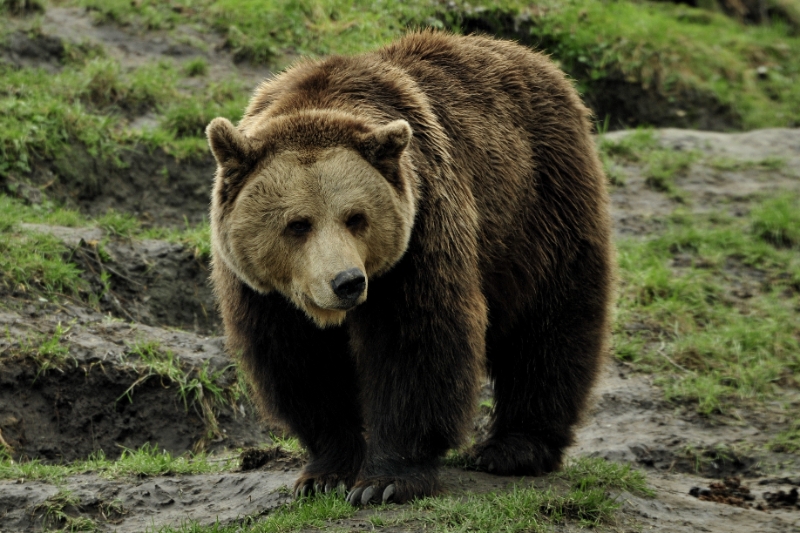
{"type": "Point", "coordinates": [116, 385]}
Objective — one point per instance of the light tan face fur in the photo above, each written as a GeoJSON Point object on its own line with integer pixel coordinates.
{"type": "Point", "coordinates": [325, 191]}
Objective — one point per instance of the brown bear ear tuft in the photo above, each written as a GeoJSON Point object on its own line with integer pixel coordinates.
{"type": "Point", "coordinates": [236, 156]}
{"type": "Point", "coordinates": [386, 142]}
{"type": "Point", "coordinates": [230, 148]}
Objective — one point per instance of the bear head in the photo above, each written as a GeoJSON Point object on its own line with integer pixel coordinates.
{"type": "Point", "coordinates": [312, 205]}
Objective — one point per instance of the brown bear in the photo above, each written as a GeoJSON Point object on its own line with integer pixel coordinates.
{"type": "Point", "coordinates": [388, 227]}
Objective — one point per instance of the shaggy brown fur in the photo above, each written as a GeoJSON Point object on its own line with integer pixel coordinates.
{"type": "Point", "coordinates": [458, 174]}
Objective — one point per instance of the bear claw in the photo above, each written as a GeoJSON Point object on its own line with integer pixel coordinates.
{"type": "Point", "coordinates": [340, 487]}
{"type": "Point", "coordinates": [354, 498]}
{"type": "Point", "coordinates": [310, 487]}
{"type": "Point", "coordinates": [303, 491]}
{"type": "Point", "coordinates": [372, 494]}
{"type": "Point", "coordinates": [367, 495]}
{"type": "Point", "coordinates": [388, 493]}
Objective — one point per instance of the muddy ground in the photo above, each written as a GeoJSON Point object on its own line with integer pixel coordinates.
{"type": "Point", "coordinates": [158, 292]}
{"type": "Point", "coordinates": [67, 414]}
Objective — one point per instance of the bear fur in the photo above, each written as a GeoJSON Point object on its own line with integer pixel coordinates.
{"type": "Point", "coordinates": [389, 227]}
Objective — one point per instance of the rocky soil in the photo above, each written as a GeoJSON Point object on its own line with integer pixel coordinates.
{"type": "Point", "coordinates": [101, 399]}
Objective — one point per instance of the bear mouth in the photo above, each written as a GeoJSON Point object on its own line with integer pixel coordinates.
{"type": "Point", "coordinates": [322, 316]}
{"type": "Point", "coordinates": [341, 306]}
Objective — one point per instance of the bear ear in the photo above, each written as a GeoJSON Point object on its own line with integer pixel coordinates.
{"type": "Point", "coordinates": [230, 148]}
{"type": "Point", "coordinates": [386, 142]}
{"type": "Point", "coordinates": [236, 155]}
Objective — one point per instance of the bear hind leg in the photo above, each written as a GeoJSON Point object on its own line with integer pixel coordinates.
{"type": "Point", "coordinates": [543, 369]}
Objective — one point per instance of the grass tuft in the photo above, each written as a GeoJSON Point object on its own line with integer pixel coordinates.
{"type": "Point", "coordinates": [196, 67]}
{"type": "Point", "coordinates": [591, 473]}
{"type": "Point", "coordinates": [777, 221]}
{"type": "Point", "coordinates": [787, 441]}
{"type": "Point", "coordinates": [660, 165]}
{"type": "Point", "coordinates": [147, 461]}
{"type": "Point", "coordinates": [57, 512]}
{"type": "Point", "coordinates": [35, 261]}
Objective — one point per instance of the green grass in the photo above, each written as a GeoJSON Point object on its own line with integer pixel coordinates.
{"type": "Point", "coordinates": [519, 510]}
{"type": "Point", "coordinates": [729, 164]}
{"type": "Point", "coordinates": [586, 501]}
{"type": "Point", "coordinates": [592, 473]}
{"type": "Point", "coordinates": [42, 114]}
{"type": "Point", "coordinates": [289, 444]}
{"type": "Point", "coordinates": [298, 515]}
{"type": "Point", "coordinates": [148, 460]}
{"type": "Point", "coordinates": [33, 261]}
{"type": "Point", "coordinates": [39, 119]}
{"type": "Point", "coordinates": [672, 50]}
{"type": "Point", "coordinates": [196, 67]}
{"type": "Point", "coordinates": [657, 45]}
{"type": "Point", "coordinates": [56, 513]}
{"type": "Point", "coordinates": [263, 31]}
{"type": "Point", "coordinates": [48, 351]}
{"type": "Point", "coordinates": [119, 224]}
{"type": "Point", "coordinates": [660, 165]}
{"type": "Point", "coordinates": [778, 221]}
{"type": "Point", "coordinates": [787, 440]}
{"type": "Point", "coordinates": [314, 513]}
{"type": "Point", "coordinates": [721, 326]}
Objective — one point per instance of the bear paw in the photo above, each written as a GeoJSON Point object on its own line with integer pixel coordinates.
{"type": "Point", "coordinates": [393, 489]}
{"type": "Point", "coordinates": [310, 483]}
{"type": "Point", "coordinates": [519, 455]}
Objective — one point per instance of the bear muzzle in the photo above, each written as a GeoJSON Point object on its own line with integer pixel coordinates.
{"type": "Point", "coordinates": [348, 286]}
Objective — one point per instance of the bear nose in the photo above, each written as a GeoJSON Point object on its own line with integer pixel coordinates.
{"type": "Point", "coordinates": [349, 284]}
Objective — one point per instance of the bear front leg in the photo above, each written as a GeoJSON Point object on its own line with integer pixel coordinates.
{"type": "Point", "coordinates": [420, 352]}
{"type": "Point", "coordinates": [302, 376]}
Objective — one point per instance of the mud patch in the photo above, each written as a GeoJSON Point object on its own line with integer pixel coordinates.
{"type": "Point", "coordinates": [727, 177]}
{"type": "Point", "coordinates": [139, 504]}
{"type": "Point", "coordinates": [32, 50]}
{"type": "Point", "coordinates": [782, 500]}
{"type": "Point", "coordinates": [730, 492]}
{"type": "Point", "coordinates": [133, 46]}
{"type": "Point", "coordinates": [150, 184]}
{"type": "Point", "coordinates": [273, 458]}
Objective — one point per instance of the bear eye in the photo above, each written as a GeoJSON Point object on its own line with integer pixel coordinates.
{"type": "Point", "coordinates": [299, 227]}
{"type": "Point", "coordinates": [356, 221]}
